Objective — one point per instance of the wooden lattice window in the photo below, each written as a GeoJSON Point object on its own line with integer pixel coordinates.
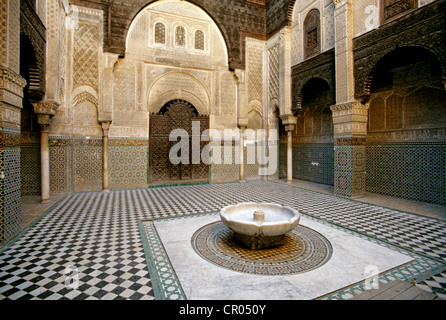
{"type": "Point", "coordinates": [180, 36]}
{"type": "Point", "coordinates": [199, 40]}
{"type": "Point", "coordinates": [160, 33]}
{"type": "Point", "coordinates": [312, 34]}
{"type": "Point", "coordinates": [391, 9]}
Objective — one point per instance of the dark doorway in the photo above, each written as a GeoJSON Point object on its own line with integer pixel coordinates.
{"type": "Point", "coordinates": [177, 114]}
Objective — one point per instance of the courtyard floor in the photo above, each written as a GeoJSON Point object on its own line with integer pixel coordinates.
{"type": "Point", "coordinates": [136, 244]}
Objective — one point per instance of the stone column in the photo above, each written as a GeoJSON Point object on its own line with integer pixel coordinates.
{"type": "Point", "coordinates": [242, 116]}
{"type": "Point", "coordinates": [45, 122]}
{"type": "Point", "coordinates": [105, 112]}
{"type": "Point", "coordinates": [242, 153]}
{"type": "Point", "coordinates": [105, 131]}
{"type": "Point", "coordinates": [45, 110]}
{"type": "Point", "coordinates": [289, 122]}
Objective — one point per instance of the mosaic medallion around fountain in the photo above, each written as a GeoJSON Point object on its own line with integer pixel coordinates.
{"type": "Point", "coordinates": [304, 250]}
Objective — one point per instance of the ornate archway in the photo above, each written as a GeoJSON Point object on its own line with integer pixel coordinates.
{"type": "Point", "coordinates": [405, 136]}
{"type": "Point", "coordinates": [174, 115]}
{"type": "Point", "coordinates": [313, 137]}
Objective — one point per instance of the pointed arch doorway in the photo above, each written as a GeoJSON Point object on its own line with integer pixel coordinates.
{"type": "Point", "coordinates": [176, 114]}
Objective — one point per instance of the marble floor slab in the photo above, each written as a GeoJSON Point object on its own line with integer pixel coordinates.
{"type": "Point", "coordinates": [352, 260]}
{"type": "Point", "coordinates": [101, 241]}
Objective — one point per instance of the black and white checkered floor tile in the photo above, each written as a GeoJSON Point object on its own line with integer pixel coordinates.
{"type": "Point", "coordinates": [88, 246]}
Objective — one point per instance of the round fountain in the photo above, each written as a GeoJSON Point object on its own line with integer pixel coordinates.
{"type": "Point", "coordinates": [260, 226]}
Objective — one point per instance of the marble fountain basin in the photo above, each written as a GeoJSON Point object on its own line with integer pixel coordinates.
{"type": "Point", "coordinates": [260, 225]}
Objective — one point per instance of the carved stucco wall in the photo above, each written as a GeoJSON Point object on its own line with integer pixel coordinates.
{"type": "Point", "coordinates": [166, 71]}
{"type": "Point", "coordinates": [424, 28]}
{"type": "Point", "coordinates": [233, 17]}
{"type": "Point", "coordinates": [256, 77]}
{"type": "Point", "coordinates": [151, 74]}
{"type": "Point", "coordinates": [300, 11]}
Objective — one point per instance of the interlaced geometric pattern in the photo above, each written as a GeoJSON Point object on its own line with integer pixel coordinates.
{"type": "Point", "coordinates": [415, 171]}
{"type": "Point", "coordinates": [304, 250]}
{"type": "Point", "coordinates": [274, 71]}
{"type": "Point", "coordinates": [86, 54]}
{"type": "Point", "coordinates": [30, 176]}
{"type": "Point", "coordinates": [255, 74]}
{"type": "Point", "coordinates": [199, 40]}
{"type": "Point", "coordinates": [180, 36]}
{"type": "Point", "coordinates": [160, 33]}
{"type": "Point", "coordinates": [10, 206]}
{"type": "Point", "coordinates": [99, 234]}
{"type": "Point", "coordinates": [314, 162]}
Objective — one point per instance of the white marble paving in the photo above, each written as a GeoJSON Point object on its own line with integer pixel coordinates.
{"type": "Point", "coordinates": [352, 256]}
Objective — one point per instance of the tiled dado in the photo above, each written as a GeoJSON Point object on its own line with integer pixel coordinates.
{"type": "Point", "coordinates": [282, 160]}
{"type": "Point", "coordinates": [225, 172]}
{"type": "Point", "coordinates": [30, 169]}
{"type": "Point", "coordinates": [128, 163]}
{"type": "Point", "coordinates": [10, 204]}
{"type": "Point", "coordinates": [87, 165]}
{"type": "Point", "coordinates": [251, 165]}
{"type": "Point", "coordinates": [350, 166]}
{"type": "Point", "coordinates": [415, 171]}
{"type": "Point", "coordinates": [313, 162]}
{"type": "Point", "coordinates": [61, 164]}
{"type": "Point", "coordinates": [75, 165]}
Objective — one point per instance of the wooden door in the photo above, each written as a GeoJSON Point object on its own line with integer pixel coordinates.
{"type": "Point", "coordinates": [176, 114]}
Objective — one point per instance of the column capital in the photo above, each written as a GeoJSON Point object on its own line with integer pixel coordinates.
{"type": "Point", "coordinates": [242, 123]}
{"type": "Point", "coordinates": [106, 127]}
{"type": "Point", "coordinates": [288, 119]}
{"type": "Point", "coordinates": [44, 121]}
{"type": "Point", "coordinates": [239, 75]}
{"type": "Point", "coordinates": [46, 107]}
{"type": "Point", "coordinates": [110, 60]}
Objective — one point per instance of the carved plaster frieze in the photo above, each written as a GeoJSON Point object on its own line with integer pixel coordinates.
{"type": "Point", "coordinates": [423, 27]}
{"type": "Point", "coordinates": [47, 107]}
{"type": "Point", "coordinates": [12, 82]}
{"type": "Point", "coordinates": [350, 118]}
{"type": "Point", "coordinates": [353, 107]}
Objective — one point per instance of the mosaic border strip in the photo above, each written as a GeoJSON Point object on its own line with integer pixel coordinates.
{"type": "Point", "coordinates": [165, 283]}
{"type": "Point", "coordinates": [213, 243]}
{"type": "Point", "coordinates": [163, 274]}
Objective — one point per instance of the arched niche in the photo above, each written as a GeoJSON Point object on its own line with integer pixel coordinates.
{"type": "Point", "coordinates": [178, 85]}
{"type": "Point", "coordinates": [180, 21]}
{"type": "Point", "coordinates": [407, 120]}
